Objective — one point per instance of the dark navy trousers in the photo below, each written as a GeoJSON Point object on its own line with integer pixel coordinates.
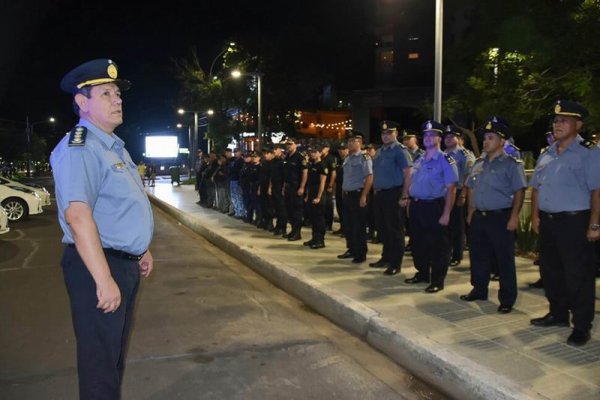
{"type": "Point", "coordinates": [101, 338]}
{"type": "Point", "coordinates": [390, 224]}
{"type": "Point", "coordinates": [493, 246]}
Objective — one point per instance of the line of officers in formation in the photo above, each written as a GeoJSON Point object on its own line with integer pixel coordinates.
{"type": "Point", "coordinates": [430, 194]}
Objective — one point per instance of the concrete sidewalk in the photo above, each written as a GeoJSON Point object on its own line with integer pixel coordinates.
{"type": "Point", "coordinates": [467, 350]}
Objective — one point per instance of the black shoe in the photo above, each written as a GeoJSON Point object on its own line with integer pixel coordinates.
{"type": "Point", "coordinates": [285, 235]}
{"type": "Point", "coordinates": [308, 243]}
{"type": "Point", "coordinates": [433, 289]}
{"type": "Point", "coordinates": [277, 232]}
{"type": "Point", "coordinates": [317, 245]}
{"type": "Point", "coordinates": [539, 284]}
{"type": "Point", "coordinates": [471, 297]}
{"type": "Point", "coordinates": [391, 270]}
{"type": "Point", "coordinates": [548, 320]}
{"type": "Point", "coordinates": [347, 254]}
{"type": "Point", "coordinates": [578, 337]}
{"type": "Point", "coordinates": [338, 232]}
{"type": "Point", "coordinates": [454, 263]}
{"type": "Point", "coordinates": [415, 279]}
{"type": "Point", "coordinates": [381, 263]}
{"type": "Point", "coordinates": [504, 308]}
{"type": "Point", "coordinates": [408, 249]}
{"type": "Point", "coordinates": [495, 277]}
{"type": "Point", "coordinates": [294, 236]}
{"type": "Point", "coordinates": [359, 260]}
{"type": "Point", "coordinates": [374, 241]}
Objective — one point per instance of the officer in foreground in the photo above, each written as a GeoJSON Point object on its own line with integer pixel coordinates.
{"type": "Point", "coordinates": [496, 187]}
{"type": "Point", "coordinates": [566, 213]}
{"type": "Point", "coordinates": [295, 175]}
{"type": "Point", "coordinates": [432, 193]}
{"type": "Point", "coordinates": [107, 223]}
{"type": "Point", "coordinates": [358, 179]}
{"type": "Point", "coordinates": [392, 167]}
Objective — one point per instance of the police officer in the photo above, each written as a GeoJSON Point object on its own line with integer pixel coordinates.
{"type": "Point", "coordinates": [276, 185]}
{"type": "Point", "coordinates": [316, 197]}
{"type": "Point", "coordinates": [107, 223]}
{"type": "Point", "coordinates": [496, 188]}
{"type": "Point", "coordinates": [566, 213]}
{"type": "Point", "coordinates": [264, 190]}
{"type": "Point", "coordinates": [358, 179]}
{"type": "Point", "coordinates": [409, 139]}
{"type": "Point", "coordinates": [391, 179]}
{"type": "Point", "coordinates": [372, 234]}
{"type": "Point", "coordinates": [432, 193]}
{"type": "Point", "coordinates": [339, 192]}
{"type": "Point", "coordinates": [464, 162]}
{"type": "Point", "coordinates": [330, 162]}
{"type": "Point", "coordinates": [296, 174]}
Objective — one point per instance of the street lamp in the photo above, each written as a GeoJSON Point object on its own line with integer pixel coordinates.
{"type": "Point", "coordinates": [439, 40]}
{"type": "Point", "coordinates": [236, 74]}
{"type": "Point", "coordinates": [194, 141]}
{"type": "Point", "coordinates": [29, 131]}
{"type": "Point", "coordinates": [229, 48]}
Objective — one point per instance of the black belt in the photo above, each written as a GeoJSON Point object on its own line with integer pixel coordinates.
{"type": "Point", "coordinates": [427, 200]}
{"type": "Point", "coordinates": [347, 192]}
{"type": "Point", "coordinates": [386, 189]}
{"type": "Point", "coordinates": [563, 214]}
{"type": "Point", "coordinates": [497, 211]}
{"type": "Point", "coordinates": [118, 253]}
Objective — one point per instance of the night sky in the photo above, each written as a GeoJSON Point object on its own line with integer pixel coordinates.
{"type": "Point", "coordinates": [43, 40]}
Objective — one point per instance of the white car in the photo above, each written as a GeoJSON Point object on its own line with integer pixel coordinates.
{"type": "Point", "coordinates": [19, 202]}
{"type": "Point", "coordinates": [3, 221]}
{"type": "Point", "coordinates": [40, 190]}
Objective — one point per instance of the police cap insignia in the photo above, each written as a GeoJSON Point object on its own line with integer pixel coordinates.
{"type": "Point", "coordinates": [428, 125]}
{"type": "Point", "coordinates": [489, 125]}
{"type": "Point", "coordinates": [569, 109]}
{"type": "Point", "coordinates": [449, 159]}
{"type": "Point", "coordinates": [92, 73]}
{"type": "Point", "coordinates": [77, 136]}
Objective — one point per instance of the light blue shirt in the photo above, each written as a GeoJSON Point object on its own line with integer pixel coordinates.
{"type": "Point", "coordinates": [356, 169]}
{"type": "Point", "coordinates": [495, 182]}
{"type": "Point", "coordinates": [565, 181]}
{"type": "Point", "coordinates": [464, 162]}
{"type": "Point", "coordinates": [389, 164]}
{"type": "Point", "coordinates": [101, 174]}
{"type": "Point", "coordinates": [430, 177]}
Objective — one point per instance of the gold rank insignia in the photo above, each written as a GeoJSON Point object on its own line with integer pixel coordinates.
{"type": "Point", "coordinates": [557, 108]}
{"type": "Point", "coordinates": [112, 71]}
{"type": "Point", "coordinates": [428, 126]}
{"type": "Point", "coordinates": [77, 136]}
{"type": "Point", "coordinates": [384, 126]}
{"type": "Point", "coordinates": [489, 125]}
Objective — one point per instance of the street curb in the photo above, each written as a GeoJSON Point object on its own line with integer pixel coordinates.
{"type": "Point", "coordinates": [450, 372]}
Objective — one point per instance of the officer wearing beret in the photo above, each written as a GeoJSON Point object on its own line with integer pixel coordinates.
{"type": "Point", "coordinates": [409, 139]}
{"type": "Point", "coordinates": [391, 180]}
{"type": "Point", "coordinates": [107, 223]}
{"type": "Point", "coordinates": [432, 193]}
{"type": "Point", "coordinates": [296, 174]}
{"type": "Point", "coordinates": [566, 214]}
{"type": "Point", "coordinates": [358, 179]}
{"type": "Point", "coordinates": [496, 187]}
{"type": "Point", "coordinates": [464, 162]}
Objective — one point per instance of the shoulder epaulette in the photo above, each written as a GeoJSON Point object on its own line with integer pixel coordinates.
{"type": "Point", "coordinates": [545, 149]}
{"type": "Point", "coordinates": [366, 156]}
{"type": "Point", "coordinates": [77, 136]}
{"type": "Point", "coordinates": [449, 159]}
{"type": "Point", "coordinates": [515, 159]}
{"type": "Point", "coordinates": [515, 147]}
{"type": "Point", "coordinates": [588, 144]}
{"type": "Point", "coordinates": [402, 146]}
{"type": "Point", "coordinates": [464, 152]}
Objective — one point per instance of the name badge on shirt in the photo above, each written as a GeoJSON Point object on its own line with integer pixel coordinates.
{"type": "Point", "coordinates": [119, 167]}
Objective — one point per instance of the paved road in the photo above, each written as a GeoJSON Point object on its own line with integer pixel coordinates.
{"type": "Point", "coordinates": [206, 328]}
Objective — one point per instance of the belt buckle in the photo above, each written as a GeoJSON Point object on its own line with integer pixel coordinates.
{"type": "Point", "coordinates": [484, 213]}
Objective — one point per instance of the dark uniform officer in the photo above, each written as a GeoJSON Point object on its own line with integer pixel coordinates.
{"type": "Point", "coordinates": [296, 173]}
{"type": "Point", "coordinates": [409, 139]}
{"type": "Point", "coordinates": [277, 176]}
{"type": "Point", "coordinates": [391, 180]}
{"type": "Point", "coordinates": [372, 234]}
{"type": "Point", "coordinates": [566, 212]}
{"type": "Point", "coordinates": [316, 198]}
{"type": "Point", "coordinates": [432, 192]}
{"type": "Point", "coordinates": [252, 175]}
{"type": "Point", "coordinates": [358, 179]}
{"type": "Point", "coordinates": [497, 185]}
{"type": "Point", "coordinates": [464, 162]}
{"type": "Point", "coordinates": [107, 223]}
{"type": "Point", "coordinates": [339, 192]}
{"type": "Point", "coordinates": [266, 205]}
{"type": "Point", "coordinates": [330, 162]}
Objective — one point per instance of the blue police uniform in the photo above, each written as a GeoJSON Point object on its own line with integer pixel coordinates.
{"type": "Point", "coordinates": [464, 162]}
{"type": "Point", "coordinates": [493, 184]}
{"type": "Point", "coordinates": [93, 167]}
{"type": "Point", "coordinates": [357, 167]}
{"type": "Point", "coordinates": [430, 240]}
{"type": "Point", "coordinates": [564, 183]}
{"type": "Point", "coordinates": [389, 164]}
{"type": "Point", "coordinates": [294, 166]}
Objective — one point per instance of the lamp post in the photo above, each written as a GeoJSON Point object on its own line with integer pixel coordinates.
{"type": "Point", "coordinates": [194, 139]}
{"type": "Point", "coordinates": [229, 48]}
{"type": "Point", "coordinates": [29, 132]}
{"type": "Point", "coordinates": [439, 40]}
{"type": "Point", "coordinates": [236, 74]}
{"type": "Point", "coordinates": [190, 155]}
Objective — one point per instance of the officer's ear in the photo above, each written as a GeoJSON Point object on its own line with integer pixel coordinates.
{"type": "Point", "coordinates": [578, 124]}
{"type": "Point", "coordinates": [82, 101]}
